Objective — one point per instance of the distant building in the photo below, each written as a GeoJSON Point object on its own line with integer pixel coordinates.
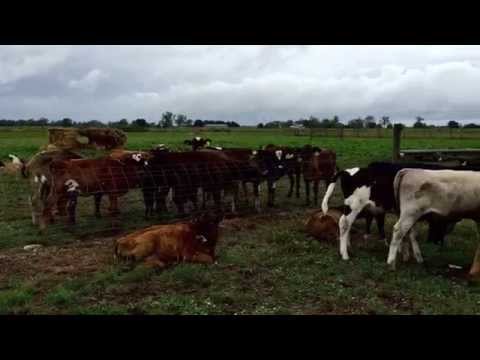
{"type": "Point", "coordinates": [216, 126]}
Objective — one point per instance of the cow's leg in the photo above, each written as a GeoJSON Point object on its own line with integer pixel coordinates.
{"type": "Point", "coordinates": [62, 206]}
{"type": "Point", "coordinates": [297, 183]}
{"type": "Point", "coordinates": [202, 258]}
{"type": "Point", "coordinates": [235, 193]}
{"type": "Point", "coordinates": [154, 262]}
{"type": "Point", "coordinates": [217, 199]}
{"type": "Point", "coordinates": [368, 225]}
{"type": "Point", "coordinates": [256, 194]}
{"type": "Point", "coordinates": [415, 247]}
{"type": "Point", "coordinates": [475, 268]}
{"type": "Point", "coordinates": [245, 190]}
{"type": "Point", "coordinates": [316, 185]}
{"type": "Point", "coordinates": [113, 209]}
{"type": "Point", "coordinates": [204, 199]}
{"type": "Point", "coordinates": [72, 206]}
{"type": "Point", "coordinates": [160, 199]}
{"type": "Point", "coordinates": [97, 200]}
{"type": "Point", "coordinates": [400, 229]}
{"type": "Point", "coordinates": [148, 200]}
{"type": "Point", "coordinates": [271, 192]}
{"type": "Point", "coordinates": [345, 225]}
{"type": "Point", "coordinates": [380, 219]}
{"type": "Point", "coordinates": [307, 192]}
{"type": "Point", "coordinates": [291, 180]}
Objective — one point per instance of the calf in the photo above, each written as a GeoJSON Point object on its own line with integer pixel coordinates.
{"type": "Point", "coordinates": [87, 177]}
{"type": "Point", "coordinates": [13, 167]}
{"type": "Point", "coordinates": [369, 192]}
{"type": "Point", "coordinates": [161, 245]}
{"type": "Point", "coordinates": [317, 164]}
{"type": "Point", "coordinates": [186, 172]}
{"type": "Point", "coordinates": [37, 171]}
{"type": "Point", "coordinates": [197, 143]}
{"type": "Point", "coordinates": [448, 194]}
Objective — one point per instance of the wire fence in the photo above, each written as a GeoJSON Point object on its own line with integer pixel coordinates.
{"type": "Point", "coordinates": [16, 207]}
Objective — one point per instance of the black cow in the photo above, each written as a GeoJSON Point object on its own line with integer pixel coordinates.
{"type": "Point", "coordinates": [198, 143]}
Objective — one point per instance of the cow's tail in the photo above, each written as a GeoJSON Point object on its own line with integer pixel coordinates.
{"type": "Point", "coordinates": [329, 192]}
{"type": "Point", "coordinates": [396, 187]}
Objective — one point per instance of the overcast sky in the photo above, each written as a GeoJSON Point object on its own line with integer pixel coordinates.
{"type": "Point", "coordinates": [248, 84]}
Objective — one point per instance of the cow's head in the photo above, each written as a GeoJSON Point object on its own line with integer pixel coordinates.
{"type": "Point", "coordinates": [206, 231]}
{"type": "Point", "coordinates": [323, 227]}
{"type": "Point", "coordinates": [269, 163]}
{"type": "Point", "coordinates": [198, 143]}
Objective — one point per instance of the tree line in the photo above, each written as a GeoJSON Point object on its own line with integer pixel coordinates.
{"type": "Point", "coordinates": [368, 122]}
{"type": "Point", "coordinates": [167, 120]}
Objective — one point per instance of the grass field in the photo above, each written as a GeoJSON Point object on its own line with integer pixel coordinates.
{"type": "Point", "coordinates": [266, 264]}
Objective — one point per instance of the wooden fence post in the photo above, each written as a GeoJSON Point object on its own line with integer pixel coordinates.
{"type": "Point", "coordinates": [397, 132]}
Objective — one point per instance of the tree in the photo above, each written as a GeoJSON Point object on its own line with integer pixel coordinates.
{"type": "Point", "coordinates": [453, 124]}
{"type": "Point", "coordinates": [189, 122]}
{"type": "Point", "coordinates": [369, 122]}
{"type": "Point", "coordinates": [260, 126]}
{"type": "Point", "coordinates": [419, 123]}
{"type": "Point", "coordinates": [385, 121]}
{"type": "Point", "coordinates": [140, 123]}
{"type": "Point", "coordinates": [471, 126]}
{"type": "Point", "coordinates": [181, 120]}
{"type": "Point", "coordinates": [123, 122]}
{"type": "Point", "coordinates": [167, 120]}
{"type": "Point", "coordinates": [198, 123]}
{"type": "Point", "coordinates": [66, 122]}
{"type": "Point", "coordinates": [355, 123]}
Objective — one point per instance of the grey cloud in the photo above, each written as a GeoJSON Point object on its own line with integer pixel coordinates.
{"type": "Point", "coordinates": [242, 83]}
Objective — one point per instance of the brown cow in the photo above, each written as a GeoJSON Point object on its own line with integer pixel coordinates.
{"type": "Point", "coordinates": [317, 164]}
{"type": "Point", "coordinates": [324, 227]}
{"type": "Point", "coordinates": [161, 245]}
{"type": "Point", "coordinates": [86, 177]}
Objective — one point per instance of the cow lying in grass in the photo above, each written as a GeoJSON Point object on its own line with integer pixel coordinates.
{"type": "Point", "coordinates": [161, 245]}
{"type": "Point", "coordinates": [448, 195]}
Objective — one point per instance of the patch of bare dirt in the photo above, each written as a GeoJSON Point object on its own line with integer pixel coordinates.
{"type": "Point", "coordinates": [74, 259]}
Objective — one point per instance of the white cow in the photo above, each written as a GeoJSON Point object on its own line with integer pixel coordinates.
{"type": "Point", "coordinates": [450, 194]}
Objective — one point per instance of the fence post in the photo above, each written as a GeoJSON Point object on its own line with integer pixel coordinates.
{"type": "Point", "coordinates": [397, 132]}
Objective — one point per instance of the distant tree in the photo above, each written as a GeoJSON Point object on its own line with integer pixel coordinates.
{"type": "Point", "coordinates": [198, 123]}
{"type": "Point", "coordinates": [123, 122]}
{"type": "Point", "coordinates": [369, 122]}
{"type": "Point", "coordinates": [140, 123]}
{"type": "Point", "coordinates": [189, 122]}
{"type": "Point", "coordinates": [389, 126]}
{"type": "Point", "coordinates": [385, 121]}
{"type": "Point", "coordinates": [260, 126]}
{"type": "Point", "coordinates": [453, 124]}
{"type": "Point", "coordinates": [233, 124]}
{"type": "Point", "coordinates": [419, 123]}
{"type": "Point", "coordinates": [180, 120]}
{"type": "Point", "coordinates": [66, 122]}
{"type": "Point", "coordinates": [355, 123]}
{"type": "Point", "coordinates": [471, 126]}
{"type": "Point", "coordinates": [167, 120]}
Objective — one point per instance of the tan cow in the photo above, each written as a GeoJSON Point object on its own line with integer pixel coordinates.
{"type": "Point", "coordinates": [161, 245]}
{"type": "Point", "coordinates": [449, 195]}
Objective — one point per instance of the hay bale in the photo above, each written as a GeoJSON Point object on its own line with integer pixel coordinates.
{"type": "Point", "coordinates": [88, 138]}
{"type": "Point", "coordinates": [324, 227]}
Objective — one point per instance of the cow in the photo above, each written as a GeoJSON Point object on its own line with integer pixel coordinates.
{"type": "Point", "coordinates": [198, 143]}
{"type": "Point", "coordinates": [186, 172]}
{"type": "Point", "coordinates": [37, 171]}
{"type": "Point", "coordinates": [324, 226]}
{"type": "Point", "coordinates": [162, 245]}
{"type": "Point", "coordinates": [317, 164]}
{"type": "Point", "coordinates": [369, 192]}
{"type": "Point", "coordinates": [271, 168]}
{"type": "Point", "coordinates": [13, 167]}
{"type": "Point", "coordinates": [449, 195]}
{"type": "Point", "coordinates": [92, 177]}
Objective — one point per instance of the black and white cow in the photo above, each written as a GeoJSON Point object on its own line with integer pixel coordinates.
{"type": "Point", "coordinates": [198, 143]}
{"type": "Point", "coordinates": [448, 194]}
{"type": "Point", "coordinates": [369, 192]}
